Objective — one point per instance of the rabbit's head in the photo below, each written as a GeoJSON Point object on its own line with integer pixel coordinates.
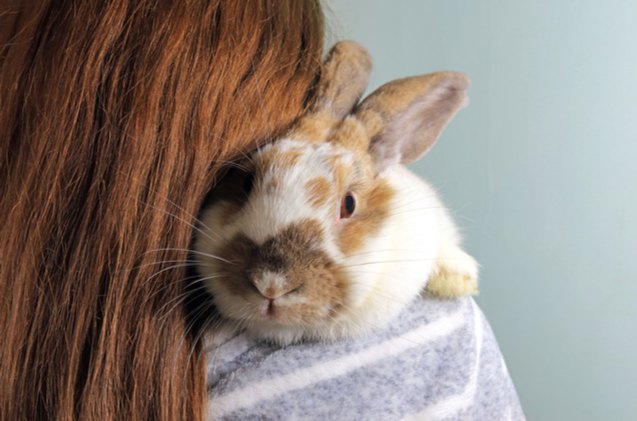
{"type": "Point", "coordinates": [287, 229]}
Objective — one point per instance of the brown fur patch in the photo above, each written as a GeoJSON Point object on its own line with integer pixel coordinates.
{"type": "Point", "coordinates": [296, 254]}
{"type": "Point", "coordinates": [318, 191]}
{"type": "Point", "coordinates": [314, 127]}
{"type": "Point", "coordinates": [351, 134]}
{"type": "Point", "coordinates": [308, 266]}
{"type": "Point", "coordinates": [239, 249]}
{"type": "Point", "coordinates": [372, 211]}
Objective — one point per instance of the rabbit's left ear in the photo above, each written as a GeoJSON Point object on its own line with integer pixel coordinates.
{"type": "Point", "coordinates": [404, 118]}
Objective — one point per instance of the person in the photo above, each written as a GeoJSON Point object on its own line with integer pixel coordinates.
{"type": "Point", "coordinates": [116, 118]}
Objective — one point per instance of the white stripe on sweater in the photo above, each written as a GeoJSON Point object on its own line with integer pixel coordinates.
{"type": "Point", "coordinates": [447, 407]}
{"type": "Point", "coordinates": [258, 391]}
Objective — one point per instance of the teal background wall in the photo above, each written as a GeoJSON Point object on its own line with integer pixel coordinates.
{"type": "Point", "coordinates": [541, 173]}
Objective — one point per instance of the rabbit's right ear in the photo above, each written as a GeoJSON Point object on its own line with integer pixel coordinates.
{"type": "Point", "coordinates": [343, 80]}
{"type": "Point", "coordinates": [404, 118]}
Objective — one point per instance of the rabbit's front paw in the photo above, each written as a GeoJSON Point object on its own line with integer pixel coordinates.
{"type": "Point", "coordinates": [455, 274]}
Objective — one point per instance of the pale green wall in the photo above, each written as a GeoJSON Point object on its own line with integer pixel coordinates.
{"type": "Point", "coordinates": [541, 173]}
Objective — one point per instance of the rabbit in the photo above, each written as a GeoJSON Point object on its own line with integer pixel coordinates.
{"type": "Point", "coordinates": [324, 234]}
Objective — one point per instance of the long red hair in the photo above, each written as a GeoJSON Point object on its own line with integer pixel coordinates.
{"type": "Point", "coordinates": [115, 117]}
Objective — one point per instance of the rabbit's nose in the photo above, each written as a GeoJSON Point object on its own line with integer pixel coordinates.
{"type": "Point", "coordinates": [271, 285]}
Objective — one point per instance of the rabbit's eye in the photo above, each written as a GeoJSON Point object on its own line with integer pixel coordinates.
{"type": "Point", "coordinates": [348, 205]}
{"type": "Point", "coordinates": [248, 183]}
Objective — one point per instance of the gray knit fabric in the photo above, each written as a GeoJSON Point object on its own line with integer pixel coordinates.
{"type": "Point", "coordinates": [438, 361]}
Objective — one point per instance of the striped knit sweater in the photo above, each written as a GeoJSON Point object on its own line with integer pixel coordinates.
{"type": "Point", "coordinates": [438, 361]}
